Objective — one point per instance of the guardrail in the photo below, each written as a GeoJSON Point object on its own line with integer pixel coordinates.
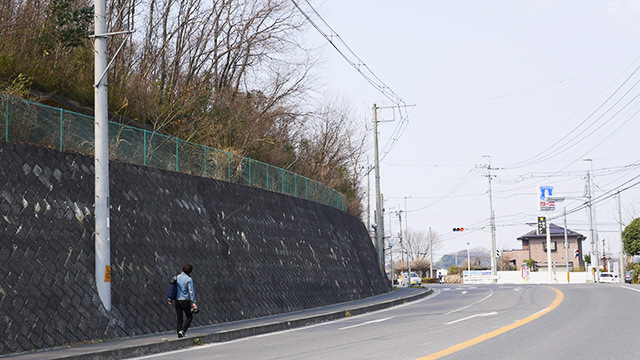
{"type": "Point", "coordinates": [37, 124]}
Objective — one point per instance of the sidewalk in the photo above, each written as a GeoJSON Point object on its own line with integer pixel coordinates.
{"type": "Point", "coordinates": [168, 341]}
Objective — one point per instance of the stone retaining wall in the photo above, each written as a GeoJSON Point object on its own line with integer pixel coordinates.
{"type": "Point", "coordinates": [254, 252]}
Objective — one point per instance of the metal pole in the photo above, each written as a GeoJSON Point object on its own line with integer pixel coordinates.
{"type": "Point", "coordinates": [430, 254]}
{"type": "Point", "coordinates": [379, 216]}
{"type": "Point", "coordinates": [622, 259]}
{"type": "Point", "coordinates": [566, 243]}
{"type": "Point", "coordinates": [549, 251]}
{"type": "Point", "coordinates": [468, 261]}
{"type": "Point", "coordinates": [101, 132]}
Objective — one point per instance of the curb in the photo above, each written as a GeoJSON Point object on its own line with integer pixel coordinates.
{"type": "Point", "coordinates": [228, 335]}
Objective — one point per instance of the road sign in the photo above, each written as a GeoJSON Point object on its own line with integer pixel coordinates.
{"type": "Point", "coordinates": [543, 203]}
{"type": "Point", "coordinates": [542, 225]}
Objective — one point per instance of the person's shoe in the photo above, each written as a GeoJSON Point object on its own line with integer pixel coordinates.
{"type": "Point", "coordinates": [180, 334]}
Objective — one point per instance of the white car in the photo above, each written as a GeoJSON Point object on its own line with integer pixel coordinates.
{"type": "Point", "coordinates": [610, 278]}
{"type": "Point", "coordinates": [415, 279]}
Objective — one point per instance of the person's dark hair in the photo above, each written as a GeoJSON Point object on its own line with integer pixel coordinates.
{"type": "Point", "coordinates": [187, 268]}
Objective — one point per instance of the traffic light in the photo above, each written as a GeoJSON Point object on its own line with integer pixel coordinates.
{"type": "Point", "coordinates": [458, 229]}
{"type": "Point", "coordinates": [498, 252]}
{"type": "Point", "coordinates": [576, 253]}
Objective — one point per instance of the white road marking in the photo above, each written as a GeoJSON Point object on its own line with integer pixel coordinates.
{"type": "Point", "coordinates": [471, 317]}
{"type": "Point", "coordinates": [464, 292]}
{"type": "Point", "coordinates": [464, 307]}
{"type": "Point", "coordinates": [366, 323]}
{"type": "Point", "coordinates": [630, 288]}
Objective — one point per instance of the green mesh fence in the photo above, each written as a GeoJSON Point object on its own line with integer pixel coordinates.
{"type": "Point", "coordinates": [27, 122]}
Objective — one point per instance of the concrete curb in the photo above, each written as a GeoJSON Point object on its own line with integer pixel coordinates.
{"type": "Point", "coordinates": [111, 350]}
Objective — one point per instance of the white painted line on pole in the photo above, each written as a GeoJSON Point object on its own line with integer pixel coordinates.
{"type": "Point", "coordinates": [471, 317]}
{"type": "Point", "coordinates": [366, 323]}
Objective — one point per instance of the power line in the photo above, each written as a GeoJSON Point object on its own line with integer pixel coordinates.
{"type": "Point", "coordinates": [549, 152]}
{"type": "Point", "coordinates": [361, 67]}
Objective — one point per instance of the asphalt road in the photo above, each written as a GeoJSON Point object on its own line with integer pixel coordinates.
{"type": "Point", "coordinates": [464, 322]}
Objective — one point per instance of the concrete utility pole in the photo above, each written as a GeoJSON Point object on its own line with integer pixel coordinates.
{"type": "Point", "coordinates": [101, 132]}
{"type": "Point", "coordinates": [492, 225]}
{"type": "Point", "coordinates": [379, 206]}
{"type": "Point", "coordinates": [594, 242]}
{"type": "Point", "coordinates": [622, 264]}
{"type": "Point", "coordinates": [406, 248]}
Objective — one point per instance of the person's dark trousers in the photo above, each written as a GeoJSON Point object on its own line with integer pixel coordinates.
{"type": "Point", "coordinates": [183, 306]}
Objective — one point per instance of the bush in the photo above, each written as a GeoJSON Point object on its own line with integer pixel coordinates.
{"type": "Point", "coordinates": [454, 270]}
{"type": "Point", "coordinates": [430, 280]}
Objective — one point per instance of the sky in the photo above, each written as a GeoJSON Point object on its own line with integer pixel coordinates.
{"type": "Point", "coordinates": [530, 87]}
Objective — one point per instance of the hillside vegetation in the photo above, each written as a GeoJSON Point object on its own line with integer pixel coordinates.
{"type": "Point", "coordinates": [233, 75]}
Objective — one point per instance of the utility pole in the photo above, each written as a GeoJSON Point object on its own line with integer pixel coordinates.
{"type": "Point", "coordinates": [594, 242]}
{"type": "Point", "coordinates": [406, 248]}
{"type": "Point", "coordinates": [379, 206]}
{"type": "Point", "coordinates": [492, 225]}
{"type": "Point", "coordinates": [622, 264]}
{"type": "Point", "coordinates": [101, 158]}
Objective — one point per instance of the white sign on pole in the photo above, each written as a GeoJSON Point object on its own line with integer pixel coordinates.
{"type": "Point", "coordinates": [544, 204]}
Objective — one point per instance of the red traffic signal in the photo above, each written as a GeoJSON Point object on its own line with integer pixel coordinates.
{"type": "Point", "coordinates": [458, 229]}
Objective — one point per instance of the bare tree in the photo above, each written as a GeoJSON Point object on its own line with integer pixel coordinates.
{"type": "Point", "coordinates": [416, 243]}
{"type": "Point", "coordinates": [333, 146]}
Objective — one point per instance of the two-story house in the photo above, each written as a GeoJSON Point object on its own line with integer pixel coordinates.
{"type": "Point", "coordinates": [534, 247]}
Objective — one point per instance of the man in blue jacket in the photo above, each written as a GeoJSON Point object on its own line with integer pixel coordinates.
{"type": "Point", "coordinates": [185, 300]}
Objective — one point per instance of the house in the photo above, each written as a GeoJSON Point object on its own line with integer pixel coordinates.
{"type": "Point", "coordinates": [534, 247]}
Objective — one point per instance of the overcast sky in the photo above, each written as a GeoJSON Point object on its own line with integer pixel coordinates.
{"type": "Point", "coordinates": [535, 85]}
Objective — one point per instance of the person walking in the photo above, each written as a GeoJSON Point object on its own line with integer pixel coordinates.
{"type": "Point", "coordinates": [185, 302]}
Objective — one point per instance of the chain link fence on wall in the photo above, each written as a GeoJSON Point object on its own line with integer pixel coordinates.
{"type": "Point", "coordinates": [32, 123]}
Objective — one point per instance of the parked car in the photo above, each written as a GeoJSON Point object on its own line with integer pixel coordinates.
{"type": "Point", "coordinates": [607, 277]}
{"type": "Point", "coordinates": [415, 279]}
{"type": "Point", "coordinates": [628, 277]}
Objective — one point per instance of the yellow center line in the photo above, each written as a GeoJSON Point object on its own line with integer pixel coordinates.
{"type": "Point", "coordinates": [502, 330]}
